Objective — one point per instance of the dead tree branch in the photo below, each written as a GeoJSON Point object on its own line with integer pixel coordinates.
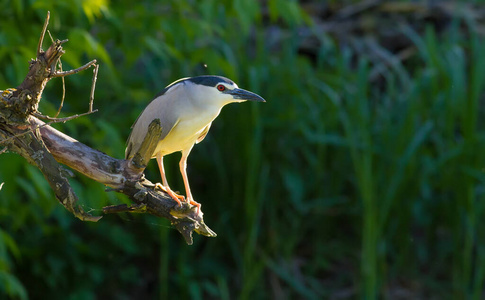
{"type": "Point", "coordinates": [46, 148]}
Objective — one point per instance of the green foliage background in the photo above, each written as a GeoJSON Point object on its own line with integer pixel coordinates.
{"type": "Point", "coordinates": [336, 187]}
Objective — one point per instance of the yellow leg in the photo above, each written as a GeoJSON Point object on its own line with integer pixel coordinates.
{"type": "Point", "coordinates": [183, 170]}
{"type": "Point", "coordinates": [165, 186]}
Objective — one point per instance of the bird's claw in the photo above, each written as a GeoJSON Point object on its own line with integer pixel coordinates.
{"type": "Point", "coordinates": [158, 185]}
{"type": "Point", "coordinates": [196, 204]}
{"type": "Point", "coordinates": [171, 193]}
{"type": "Point", "coordinates": [178, 198]}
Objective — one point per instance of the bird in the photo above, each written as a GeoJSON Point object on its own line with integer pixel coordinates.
{"type": "Point", "coordinates": [185, 109]}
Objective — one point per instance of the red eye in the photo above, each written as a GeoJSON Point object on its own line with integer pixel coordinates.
{"type": "Point", "coordinates": [221, 88]}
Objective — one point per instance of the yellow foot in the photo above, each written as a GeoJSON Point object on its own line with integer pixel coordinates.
{"type": "Point", "coordinates": [160, 186]}
{"type": "Point", "coordinates": [171, 193]}
{"type": "Point", "coordinates": [196, 204]}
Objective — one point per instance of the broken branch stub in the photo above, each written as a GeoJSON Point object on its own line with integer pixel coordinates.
{"type": "Point", "coordinates": [147, 148]}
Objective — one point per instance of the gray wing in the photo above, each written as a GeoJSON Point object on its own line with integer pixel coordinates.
{"type": "Point", "coordinates": [155, 110]}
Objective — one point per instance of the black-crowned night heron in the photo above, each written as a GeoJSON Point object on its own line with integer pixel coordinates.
{"type": "Point", "coordinates": [186, 109]}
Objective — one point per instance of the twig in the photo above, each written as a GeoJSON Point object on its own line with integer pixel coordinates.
{"type": "Point", "coordinates": [52, 121]}
{"type": "Point", "coordinates": [63, 92]}
{"type": "Point", "coordinates": [93, 86]}
{"type": "Point", "coordinates": [41, 40]}
{"type": "Point", "coordinates": [62, 79]}
{"type": "Point", "coordinates": [1, 185]}
{"type": "Point", "coordinates": [50, 35]}
{"type": "Point", "coordinates": [63, 120]}
{"type": "Point", "coordinates": [62, 74]}
{"type": "Point", "coordinates": [70, 72]}
{"type": "Point", "coordinates": [3, 150]}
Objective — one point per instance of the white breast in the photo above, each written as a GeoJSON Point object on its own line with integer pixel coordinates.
{"type": "Point", "coordinates": [187, 130]}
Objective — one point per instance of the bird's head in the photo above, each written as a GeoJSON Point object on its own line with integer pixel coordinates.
{"type": "Point", "coordinates": [216, 89]}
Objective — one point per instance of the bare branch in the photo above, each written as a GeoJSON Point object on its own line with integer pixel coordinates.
{"type": "Point", "coordinates": [91, 163]}
{"type": "Point", "coordinates": [3, 150]}
{"type": "Point", "coordinates": [70, 72]}
{"type": "Point", "coordinates": [63, 85]}
{"type": "Point", "coordinates": [42, 35]}
{"type": "Point", "coordinates": [31, 146]}
{"type": "Point", "coordinates": [53, 120]}
{"type": "Point", "coordinates": [63, 120]}
{"type": "Point", "coordinates": [123, 177]}
{"type": "Point", "coordinates": [50, 35]}
{"type": "Point", "coordinates": [1, 185]}
{"type": "Point", "coordinates": [19, 135]}
{"type": "Point", "coordinates": [93, 86]}
{"type": "Point", "coordinates": [63, 93]}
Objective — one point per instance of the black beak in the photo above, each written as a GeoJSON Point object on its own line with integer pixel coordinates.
{"type": "Point", "coordinates": [241, 94]}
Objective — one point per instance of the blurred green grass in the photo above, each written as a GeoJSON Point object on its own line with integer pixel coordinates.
{"type": "Point", "coordinates": [359, 178]}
